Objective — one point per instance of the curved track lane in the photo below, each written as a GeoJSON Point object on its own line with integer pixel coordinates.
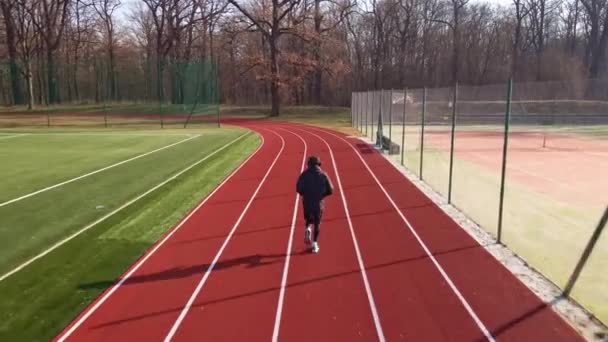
{"type": "Point", "coordinates": [392, 265]}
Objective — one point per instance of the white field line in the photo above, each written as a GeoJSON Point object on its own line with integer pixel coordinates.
{"type": "Point", "coordinates": [209, 269]}
{"type": "Point", "coordinates": [277, 319]}
{"type": "Point", "coordinates": [94, 172]}
{"type": "Point", "coordinates": [445, 276]}
{"type": "Point", "coordinates": [368, 289]}
{"type": "Point", "coordinates": [13, 136]}
{"type": "Point", "coordinates": [103, 218]}
{"type": "Point", "coordinates": [126, 134]}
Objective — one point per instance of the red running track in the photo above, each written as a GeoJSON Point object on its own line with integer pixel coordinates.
{"type": "Point", "coordinates": [392, 265]}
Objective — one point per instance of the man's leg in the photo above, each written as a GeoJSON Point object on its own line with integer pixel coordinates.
{"type": "Point", "coordinates": [308, 222]}
{"type": "Point", "coordinates": [317, 223]}
{"type": "Point", "coordinates": [317, 231]}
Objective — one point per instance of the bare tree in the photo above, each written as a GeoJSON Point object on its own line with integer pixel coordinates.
{"type": "Point", "coordinates": [105, 10]}
{"type": "Point", "coordinates": [27, 36]}
{"type": "Point", "coordinates": [321, 27]}
{"type": "Point", "coordinates": [456, 7]}
{"type": "Point", "coordinates": [272, 23]}
{"type": "Point", "coordinates": [521, 12]}
{"type": "Point", "coordinates": [597, 16]}
{"type": "Point", "coordinates": [50, 21]}
{"type": "Point", "coordinates": [8, 8]}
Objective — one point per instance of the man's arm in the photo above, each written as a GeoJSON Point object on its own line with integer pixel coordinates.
{"type": "Point", "coordinates": [328, 186]}
{"type": "Point", "coordinates": [300, 186]}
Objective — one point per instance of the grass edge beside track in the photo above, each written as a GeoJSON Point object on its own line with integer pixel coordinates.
{"type": "Point", "coordinates": [38, 302]}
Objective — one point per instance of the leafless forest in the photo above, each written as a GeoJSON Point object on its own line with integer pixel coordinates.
{"type": "Point", "coordinates": [294, 51]}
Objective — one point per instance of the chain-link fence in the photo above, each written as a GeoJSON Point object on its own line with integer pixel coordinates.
{"type": "Point", "coordinates": [104, 92]}
{"type": "Point", "coordinates": [527, 161]}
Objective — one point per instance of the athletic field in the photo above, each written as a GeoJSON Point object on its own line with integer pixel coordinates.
{"type": "Point", "coordinates": [196, 234]}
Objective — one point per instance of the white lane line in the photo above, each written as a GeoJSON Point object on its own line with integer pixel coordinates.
{"type": "Point", "coordinates": [209, 269]}
{"type": "Point", "coordinates": [445, 276]}
{"type": "Point", "coordinates": [13, 136]}
{"type": "Point", "coordinates": [368, 290]}
{"type": "Point", "coordinates": [95, 172]}
{"type": "Point", "coordinates": [277, 319]}
{"type": "Point", "coordinates": [87, 313]}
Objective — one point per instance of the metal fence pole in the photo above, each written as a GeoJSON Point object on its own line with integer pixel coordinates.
{"type": "Point", "coordinates": [362, 113]}
{"type": "Point", "coordinates": [366, 116]}
{"type": "Point", "coordinates": [505, 146]}
{"type": "Point", "coordinates": [403, 128]}
{"type": "Point", "coordinates": [390, 117]}
{"type": "Point", "coordinates": [357, 107]}
{"type": "Point", "coordinates": [422, 130]}
{"type": "Point", "coordinates": [357, 112]}
{"type": "Point", "coordinates": [362, 100]}
{"type": "Point", "coordinates": [454, 102]}
{"type": "Point", "coordinates": [586, 253]}
{"type": "Point", "coordinates": [352, 107]}
{"type": "Point", "coordinates": [105, 110]}
{"type": "Point", "coordinates": [217, 93]}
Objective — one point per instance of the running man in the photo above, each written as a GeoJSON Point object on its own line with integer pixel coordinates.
{"type": "Point", "coordinates": [313, 185]}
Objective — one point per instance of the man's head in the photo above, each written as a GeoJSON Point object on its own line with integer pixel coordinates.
{"type": "Point", "coordinates": [314, 161]}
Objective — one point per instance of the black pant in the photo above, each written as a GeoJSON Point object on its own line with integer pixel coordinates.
{"type": "Point", "coordinates": [312, 216]}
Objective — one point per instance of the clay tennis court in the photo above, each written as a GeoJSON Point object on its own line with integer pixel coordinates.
{"type": "Point", "coordinates": [566, 166]}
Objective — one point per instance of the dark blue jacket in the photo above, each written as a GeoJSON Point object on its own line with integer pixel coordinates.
{"type": "Point", "coordinates": [314, 185]}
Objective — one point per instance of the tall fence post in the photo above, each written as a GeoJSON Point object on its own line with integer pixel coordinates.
{"type": "Point", "coordinates": [366, 116]}
{"type": "Point", "coordinates": [454, 102]}
{"type": "Point", "coordinates": [403, 128]}
{"type": "Point", "coordinates": [105, 110]}
{"type": "Point", "coordinates": [586, 253]}
{"type": "Point", "coordinates": [217, 99]}
{"type": "Point", "coordinates": [380, 125]}
{"type": "Point", "coordinates": [357, 114]}
{"type": "Point", "coordinates": [358, 107]}
{"type": "Point", "coordinates": [390, 117]}
{"type": "Point", "coordinates": [352, 107]}
{"type": "Point", "coordinates": [360, 119]}
{"type": "Point", "coordinates": [422, 131]}
{"type": "Point", "coordinates": [505, 146]}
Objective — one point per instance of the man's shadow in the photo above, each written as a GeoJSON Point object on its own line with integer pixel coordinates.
{"type": "Point", "coordinates": [250, 261]}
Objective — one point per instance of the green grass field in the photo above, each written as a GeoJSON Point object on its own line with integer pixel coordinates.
{"type": "Point", "coordinates": [40, 299]}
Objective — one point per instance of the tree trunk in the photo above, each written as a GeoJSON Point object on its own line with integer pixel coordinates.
{"type": "Point", "coordinates": [51, 77]}
{"type": "Point", "coordinates": [112, 73]}
{"type": "Point", "coordinates": [11, 44]}
{"type": "Point", "coordinates": [318, 73]}
{"type": "Point", "coordinates": [30, 84]}
{"type": "Point", "coordinates": [456, 47]}
{"type": "Point", "coordinates": [599, 54]}
{"type": "Point", "coordinates": [274, 78]}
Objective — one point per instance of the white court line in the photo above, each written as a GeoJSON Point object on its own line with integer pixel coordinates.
{"type": "Point", "coordinates": [368, 289]}
{"type": "Point", "coordinates": [209, 269]}
{"type": "Point", "coordinates": [148, 254]}
{"type": "Point", "coordinates": [13, 136]}
{"type": "Point", "coordinates": [94, 172]}
{"type": "Point", "coordinates": [277, 319]}
{"type": "Point", "coordinates": [448, 280]}
{"type": "Point", "coordinates": [103, 218]}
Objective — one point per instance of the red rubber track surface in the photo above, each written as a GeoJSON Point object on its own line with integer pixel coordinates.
{"type": "Point", "coordinates": [218, 275]}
